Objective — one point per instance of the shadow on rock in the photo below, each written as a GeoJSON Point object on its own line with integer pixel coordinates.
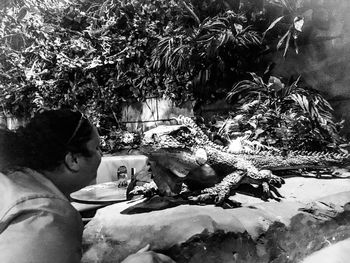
{"type": "Point", "coordinates": [306, 234]}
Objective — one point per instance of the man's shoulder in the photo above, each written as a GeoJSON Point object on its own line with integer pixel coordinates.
{"type": "Point", "coordinates": [19, 191]}
{"type": "Point", "coordinates": [20, 184]}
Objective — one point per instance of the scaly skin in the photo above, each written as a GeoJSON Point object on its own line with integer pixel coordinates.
{"type": "Point", "coordinates": [178, 152]}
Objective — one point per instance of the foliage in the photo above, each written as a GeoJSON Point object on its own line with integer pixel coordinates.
{"type": "Point", "coordinates": [96, 55]}
{"type": "Point", "coordinates": [283, 116]}
{"type": "Point", "coordinates": [205, 58]}
{"type": "Point", "coordinates": [89, 55]}
{"type": "Point", "coordinates": [120, 139]}
{"type": "Point", "coordinates": [292, 19]}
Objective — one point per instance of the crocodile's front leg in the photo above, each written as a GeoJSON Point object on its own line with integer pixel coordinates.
{"type": "Point", "coordinates": [220, 191]}
{"type": "Point", "coordinates": [265, 178]}
{"type": "Point", "coordinates": [268, 181]}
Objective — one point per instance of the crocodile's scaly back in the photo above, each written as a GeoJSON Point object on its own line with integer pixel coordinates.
{"type": "Point", "coordinates": [266, 159]}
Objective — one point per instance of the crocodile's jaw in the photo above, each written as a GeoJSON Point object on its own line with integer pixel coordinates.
{"type": "Point", "coordinates": [179, 161]}
{"type": "Point", "coordinates": [168, 183]}
{"type": "Point", "coordinates": [170, 167]}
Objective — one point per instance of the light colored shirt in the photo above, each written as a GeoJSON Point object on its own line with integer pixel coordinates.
{"type": "Point", "coordinates": [37, 222]}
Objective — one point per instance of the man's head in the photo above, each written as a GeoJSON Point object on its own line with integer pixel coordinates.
{"type": "Point", "coordinates": [55, 140]}
{"type": "Point", "coordinates": [51, 134]}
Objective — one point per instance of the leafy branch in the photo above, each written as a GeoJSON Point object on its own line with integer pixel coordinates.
{"type": "Point", "coordinates": [290, 116]}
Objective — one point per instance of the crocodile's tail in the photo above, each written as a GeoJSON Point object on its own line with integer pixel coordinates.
{"type": "Point", "coordinates": [331, 155]}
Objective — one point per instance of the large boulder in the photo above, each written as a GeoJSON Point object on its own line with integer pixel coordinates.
{"type": "Point", "coordinates": [307, 220]}
{"type": "Point", "coordinates": [334, 253]}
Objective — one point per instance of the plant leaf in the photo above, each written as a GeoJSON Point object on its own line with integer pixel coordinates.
{"type": "Point", "coordinates": [272, 25]}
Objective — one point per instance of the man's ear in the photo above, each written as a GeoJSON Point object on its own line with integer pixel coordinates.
{"type": "Point", "coordinates": [71, 162]}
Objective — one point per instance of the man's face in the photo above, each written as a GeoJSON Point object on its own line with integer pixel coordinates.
{"type": "Point", "coordinates": [89, 165]}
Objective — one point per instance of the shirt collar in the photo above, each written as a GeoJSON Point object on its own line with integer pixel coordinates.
{"type": "Point", "coordinates": [46, 182]}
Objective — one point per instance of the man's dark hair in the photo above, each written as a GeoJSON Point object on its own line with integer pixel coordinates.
{"type": "Point", "coordinates": [43, 143]}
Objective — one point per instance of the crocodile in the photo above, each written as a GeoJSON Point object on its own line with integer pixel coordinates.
{"type": "Point", "coordinates": [184, 161]}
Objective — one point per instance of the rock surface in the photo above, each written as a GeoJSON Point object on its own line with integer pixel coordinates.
{"type": "Point", "coordinates": [309, 218]}
{"type": "Point", "coordinates": [335, 253]}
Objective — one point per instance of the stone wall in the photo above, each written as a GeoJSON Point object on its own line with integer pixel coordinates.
{"type": "Point", "coordinates": [148, 114]}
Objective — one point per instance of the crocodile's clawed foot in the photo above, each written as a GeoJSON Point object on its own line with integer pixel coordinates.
{"type": "Point", "coordinates": [269, 187]}
{"type": "Point", "coordinates": [228, 203]}
{"type": "Point", "coordinates": [276, 181]}
{"type": "Point", "coordinates": [147, 190]}
{"type": "Point", "coordinates": [224, 201]}
{"type": "Point", "coordinates": [270, 192]}
{"type": "Point", "coordinates": [268, 184]}
{"type": "Point", "coordinates": [218, 200]}
{"type": "Point", "coordinates": [201, 199]}
{"type": "Point", "coordinates": [272, 179]}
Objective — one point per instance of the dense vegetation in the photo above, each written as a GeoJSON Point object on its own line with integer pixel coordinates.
{"type": "Point", "coordinates": [96, 55]}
